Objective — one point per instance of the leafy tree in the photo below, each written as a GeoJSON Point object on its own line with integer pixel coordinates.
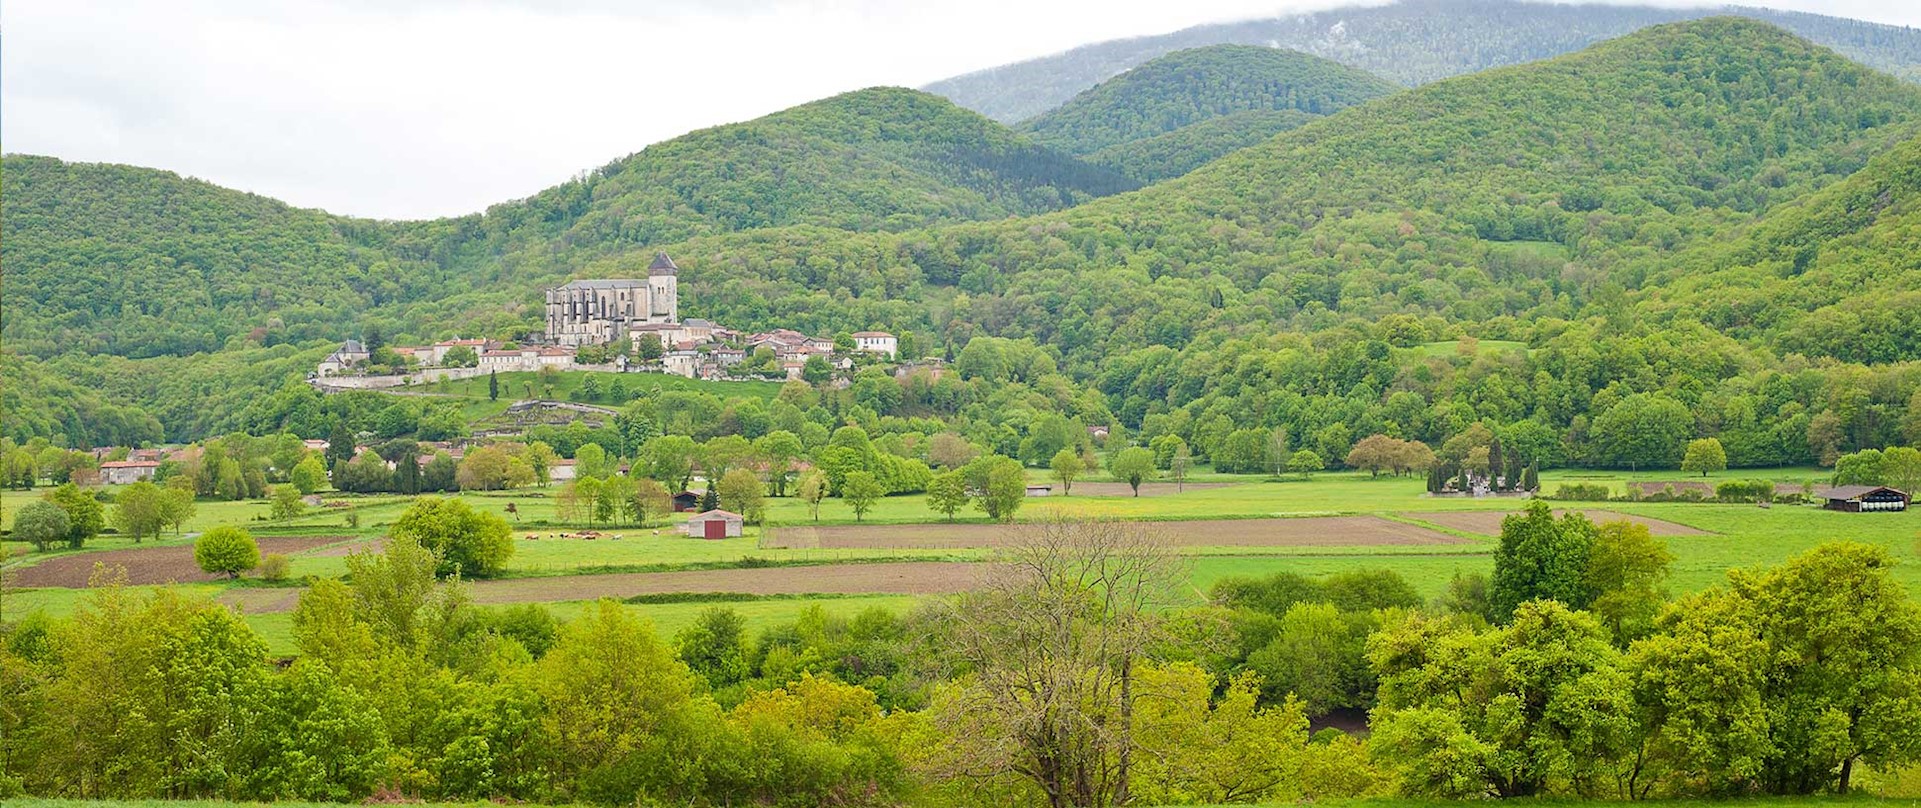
{"type": "Point", "coordinates": [540, 459]}
{"type": "Point", "coordinates": [86, 517]}
{"type": "Point", "coordinates": [671, 460]}
{"type": "Point", "coordinates": [1704, 455]}
{"type": "Point", "coordinates": [811, 489]}
{"type": "Point", "coordinates": [1865, 467]}
{"type": "Point", "coordinates": [493, 385]}
{"type": "Point", "coordinates": [137, 510]}
{"type": "Point", "coordinates": [1626, 568]}
{"type": "Point", "coordinates": [861, 491]}
{"type": "Point", "coordinates": [780, 449]}
{"type": "Point", "coordinates": [491, 468]}
{"type": "Point", "coordinates": [1901, 467]}
{"type": "Point", "coordinates": [1509, 714]}
{"type": "Point", "coordinates": [287, 503]}
{"type": "Point", "coordinates": [591, 460]}
{"type": "Point", "coordinates": [947, 493]}
{"type": "Point", "coordinates": [650, 500]}
{"type": "Point", "coordinates": [340, 444]}
{"type": "Point", "coordinates": [226, 550]}
{"type": "Point", "coordinates": [1305, 462]}
{"type": "Point", "coordinates": [42, 523]}
{"type": "Point", "coordinates": [176, 506]}
{"type": "Point", "coordinates": [464, 541]}
{"type": "Point", "coordinates": [1067, 466]}
{"type": "Point", "coordinates": [714, 646]}
{"type": "Point", "coordinates": [1540, 558]}
{"type": "Point", "coordinates": [1643, 429]}
{"type": "Point", "coordinates": [741, 492]}
{"type": "Point", "coordinates": [308, 475]}
{"type": "Point", "coordinates": [368, 473]}
{"type": "Point", "coordinates": [1002, 489]}
{"type": "Point", "coordinates": [1132, 465]}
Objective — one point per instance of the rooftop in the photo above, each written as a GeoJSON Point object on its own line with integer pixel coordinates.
{"type": "Point", "coordinates": [1852, 491]}
{"type": "Point", "coordinates": [662, 265]}
{"type": "Point", "coordinates": [606, 283]}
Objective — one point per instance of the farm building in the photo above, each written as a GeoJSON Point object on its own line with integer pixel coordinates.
{"type": "Point", "coordinates": [123, 472]}
{"type": "Point", "coordinates": [563, 469]}
{"type": "Point", "coordinates": [686, 501]}
{"type": "Point", "coordinates": [715, 524]}
{"type": "Point", "coordinates": [1040, 490]}
{"type": "Point", "coordinates": [1857, 498]}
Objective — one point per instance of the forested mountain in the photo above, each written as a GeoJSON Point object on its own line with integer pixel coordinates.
{"type": "Point", "coordinates": [1837, 273]}
{"type": "Point", "coordinates": [1411, 42]}
{"type": "Point", "coordinates": [1191, 86]}
{"type": "Point", "coordinates": [136, 262]}
{"type": "Point", "coordinates": [1287, 285]}
{"type": "Point", "coordinates": [1189, 147]}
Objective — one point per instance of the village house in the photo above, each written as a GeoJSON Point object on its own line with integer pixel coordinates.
{"type": "Point", "coordinates": [878, 342]}
{"type": "Point", "coordinates": [349, 354]}
{"type": "Point", "coordinates": [565, 468]}
{"type": "Point", "coordinates": [527, 359]}
{"type": "Point", "coordinates": [127, 472]}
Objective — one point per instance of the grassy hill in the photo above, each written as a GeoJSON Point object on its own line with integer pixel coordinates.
{"type": "Point", "coordinates": [1191, 86]}
{"type": "Point", "coordinates": [1412, 42]}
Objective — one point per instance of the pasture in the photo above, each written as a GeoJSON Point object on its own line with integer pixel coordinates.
{"type": "Point", "coordinates": [902, 551]}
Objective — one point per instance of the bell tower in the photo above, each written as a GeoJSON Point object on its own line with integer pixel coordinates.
{"type": "Point", "coordinates": [663, 290]}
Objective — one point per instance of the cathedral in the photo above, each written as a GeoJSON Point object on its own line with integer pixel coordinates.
{"type": "Point", "coordinates": [596, 312]}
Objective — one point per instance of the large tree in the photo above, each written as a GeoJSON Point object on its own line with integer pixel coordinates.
{"type": "Point", "coordinates": [1540, 557]}
{"type": "Point", "coordinates": [1054, 637]}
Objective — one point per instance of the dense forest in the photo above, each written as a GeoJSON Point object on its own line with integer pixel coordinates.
{"type": "Point", "coordinates": [1410, 42]}
{"type": "Point", "coordinates": [1304, 282]}
{"type": "Point", "coordinates": [1188, 87]}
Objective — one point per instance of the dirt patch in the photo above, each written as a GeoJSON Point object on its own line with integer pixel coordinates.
{"type": "Point", "coordinates": [1147, 489]}
{"type": "Point", "coordinates": [1313, 531]}
{"type": "Point", "coordinates": [892, 578]}
{"type": "Point", "coordinates": [1489, 522]}
{"type": "Point", "coordinates": [349, 548]}
{"type": "Point", "coordinates": [147, 565]}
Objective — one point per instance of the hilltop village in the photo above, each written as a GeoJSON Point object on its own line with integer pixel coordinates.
{"type": "Point", "coordinates": [613, 325]}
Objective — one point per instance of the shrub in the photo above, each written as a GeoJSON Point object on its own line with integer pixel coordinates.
{"type": "Point", "coordinates": [274, 567]}
{"type": "Point", "coordinates": [1582, 492]}
{"type": "Point", "coordinates": [42, 523]}
{"type": "Point", "coordinates": [1744, 491]}
{"type": "Point", "coordinates": [226, 549]}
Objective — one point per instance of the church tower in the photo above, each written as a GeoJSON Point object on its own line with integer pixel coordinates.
{"type": "Point", "coordinates": [663, 290]}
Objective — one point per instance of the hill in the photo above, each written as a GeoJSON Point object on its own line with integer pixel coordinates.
{"type": "Point", "coordinates": [137, 262]}
{"type": "Point", "coordinates": [1837, 273]}
{"type": "Point", "coordinates": [1411, 42]}
{"type": "Point", "coordinates": [1191, 86]}
{"type": "Point", "coordinates": [1189, 147]}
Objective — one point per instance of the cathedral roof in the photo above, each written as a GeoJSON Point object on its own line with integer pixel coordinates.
{"type": "Point", "coordinates": [662, 265]}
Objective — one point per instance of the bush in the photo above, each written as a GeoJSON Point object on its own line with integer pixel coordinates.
{"type": "Point", "coordinates": [226, 549]}
{"type": "Point", "coordinates": [42, 523]}
{"type": "Point", "coordinates": [1582, 492]}
{"type": "Point", "coordinates": [274, 567]}
{"type": "Point", "coordinates": [1745, 491]}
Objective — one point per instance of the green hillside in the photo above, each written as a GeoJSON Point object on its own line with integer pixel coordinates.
{"type": "Point", "coordinates": [1410, 42]}
{"type": "Point", "coordinates": [1837, 273]}
{"type": "Point", "coordinates": [137, 262]}
{"type": "Point", "coordinates": [1189, 147]}
{"type": "Point", "coordinates": [1191, 86]}
{"type": "Point", "coordinates": [1539, 204]}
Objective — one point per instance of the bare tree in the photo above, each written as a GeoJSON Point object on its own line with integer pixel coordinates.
{"type": "Point", "coordinates": [1050, 642]}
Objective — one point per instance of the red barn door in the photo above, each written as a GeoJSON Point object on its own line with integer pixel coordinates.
{"type": "Point", "coordinates": [716, 528]}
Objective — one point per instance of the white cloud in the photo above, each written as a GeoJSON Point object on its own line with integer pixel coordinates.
{"type": "Point", "coordinates": [438, 107]}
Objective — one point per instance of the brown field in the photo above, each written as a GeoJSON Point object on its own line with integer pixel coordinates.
{"type": "Point", "coordinates": [1314, 531]}
{"type": "Point", "coordinates": [1147, 489]}
{"type": "Point", "coordinates": [891, 578]}
{"type": "Point", "coordinates": [1489, 522]}
{"type": "Point", "coordinates": [147, 565]}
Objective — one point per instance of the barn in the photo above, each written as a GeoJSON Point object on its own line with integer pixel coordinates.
{"type": "Point", "coordinates": [686, 501]}
{"type": "Point", "coordinates": [715, 524]}
{"type": "Point", "coordinates": [1858, 498]}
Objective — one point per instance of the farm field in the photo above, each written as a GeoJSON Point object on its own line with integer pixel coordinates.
{"type": "Point", "coordinates": [901, 551]}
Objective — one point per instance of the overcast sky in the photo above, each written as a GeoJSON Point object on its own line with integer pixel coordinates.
{"type": "Point", "coordinates": [418, 108]}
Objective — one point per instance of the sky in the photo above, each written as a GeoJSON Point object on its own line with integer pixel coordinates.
{"type": "Point", "coordinates": [412, 109]}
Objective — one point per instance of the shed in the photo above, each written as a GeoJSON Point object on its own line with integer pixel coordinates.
{"type": "Point", "coordinates": [714, 524]}
{"type": "Point", "coordinates": [1857, 498]}
{"type": "Point", "coordinates": [686, 501]}
{"type": "Point", "coordinates": [1040, 490]}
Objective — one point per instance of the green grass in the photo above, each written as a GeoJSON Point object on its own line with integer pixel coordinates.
{"type": "Point", "coordinates": [1854, 801]}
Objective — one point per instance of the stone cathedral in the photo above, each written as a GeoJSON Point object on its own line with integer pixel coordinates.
{"type": "Point", "coordinates": [596, 312]}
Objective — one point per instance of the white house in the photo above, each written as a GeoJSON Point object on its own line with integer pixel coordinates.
{"type": "Point", "coordinates": [349, 353]}
{"type": "Point", "coordinates": [124, 472]}
{"type": "Point", "coordinates": [879, 342]}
